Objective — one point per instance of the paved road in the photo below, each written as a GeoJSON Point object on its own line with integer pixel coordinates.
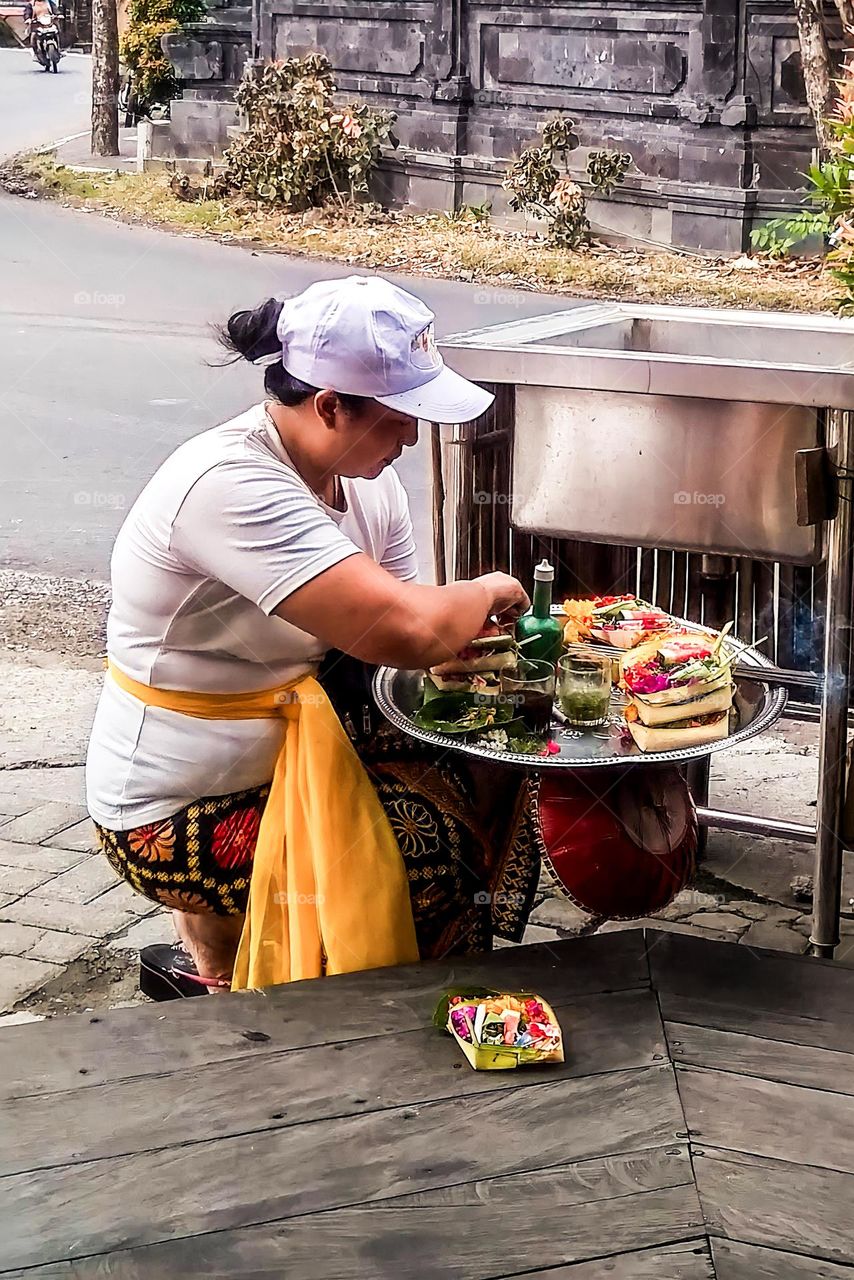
{"type": "Point", "coordinates": [37, 108]}
{"type": "Point", "coordinates": [107, 359]}
{"type": "Point", "coordinates": [105, 344]}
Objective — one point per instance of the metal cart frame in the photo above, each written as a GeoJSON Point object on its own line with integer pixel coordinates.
{"type": "Point", "coordinates": [657, 360]}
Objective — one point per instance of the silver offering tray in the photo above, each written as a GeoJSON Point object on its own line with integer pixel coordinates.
{"type": "Point", "coordinates": [399, 694]}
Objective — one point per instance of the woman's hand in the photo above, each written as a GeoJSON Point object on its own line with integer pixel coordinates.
{"type": "Point", "coordinates": [509, 598]}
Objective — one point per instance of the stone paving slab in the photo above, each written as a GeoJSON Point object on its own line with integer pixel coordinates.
{"type": "Point", "coordinates": [86, 881]}
{"type": "Point", "coordinates": [16, 939]}
{"type": "Point", "coordinates": [33, 786]}
{"type": "Point", "coordinates": [124, 896]}
{"type": "Point", "coordinates": [18, 880]}
{"type": "Point", "coordinates": [42, 822]}
{"type": "Point", "coordinates": [38, 857]}
{"type": "Point", "coordinates": [763, 933]}
{"type": "Point", "coordinates": [45, 912]}
{"type": "Point", "coordinates": [59, 948]}
{"type": "Point", "coordinates": [80, 837]}
{"type": "Point", "coordinates": [20, 976]}
{"type": "Point", "coordinates": [154, 928]}
{"type": "Point", "coordinates": [13, 801]}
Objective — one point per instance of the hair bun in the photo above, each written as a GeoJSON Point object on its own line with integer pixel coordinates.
{"type": "Point", "coordinates": [252, 334]}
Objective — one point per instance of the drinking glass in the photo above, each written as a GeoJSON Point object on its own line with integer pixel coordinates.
{"type": "Point", "coordinates": [584, 688]}
{"type": "Point", "coordinates": [531, 686]}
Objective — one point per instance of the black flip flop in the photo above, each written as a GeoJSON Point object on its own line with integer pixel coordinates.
{"type": "Point", "coordinates": [167, 972]}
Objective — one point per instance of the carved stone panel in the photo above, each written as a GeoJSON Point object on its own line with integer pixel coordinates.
{"type": "Point", "coordinates": [382, 46]}
{"type": "Point", "coordinates": [554, 57]}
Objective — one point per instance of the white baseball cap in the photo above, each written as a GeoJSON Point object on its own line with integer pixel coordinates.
{"type": "Point", "coordinates": [363, 336]}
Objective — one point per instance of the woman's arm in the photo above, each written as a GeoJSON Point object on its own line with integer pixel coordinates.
{"type": "Point", "coordinates": [359, 607]}
{"type": "Point", "coordinates": [262, 534]}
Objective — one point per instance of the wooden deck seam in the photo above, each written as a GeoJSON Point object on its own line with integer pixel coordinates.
{"type": "Point", "coordinates": [260, 1055]}
{"type": "Point", "coordinates": [344, 1115]}
{"type": "Point", "coordinates": [698, 1068]}
{"type": "Point", "coordinates": [606, 1257]}
{"type": "Point", "coordinates": [689, 1021]}
{"type": "Point", "coordinates": [708, 1150]}
{"type": "Point", "coordinates": [687, 1130]}
{"type": "Point", "coordinates": [384, 1204]}
{"type": "Point", "coordinates": [771, 1248]}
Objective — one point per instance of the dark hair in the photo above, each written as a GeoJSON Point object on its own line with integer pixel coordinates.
{"type": "Point", "coordinates": [251, 335]}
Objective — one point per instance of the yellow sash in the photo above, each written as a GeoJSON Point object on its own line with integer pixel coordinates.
{"type": "Point", "coordinates": [329, 891]}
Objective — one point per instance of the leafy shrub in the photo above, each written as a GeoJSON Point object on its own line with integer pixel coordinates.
{"type": "Point", "coordinates": [140, 50]}
{"type": "Point", "coordinates": [828, 208]}
{"type": "Point", "coordinates": [299, 149]}
{"type": "Point", "coordinates": [538, 188]}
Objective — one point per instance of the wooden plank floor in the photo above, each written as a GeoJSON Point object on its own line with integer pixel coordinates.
{"type": "Point", "coordinates": [702, 1126]}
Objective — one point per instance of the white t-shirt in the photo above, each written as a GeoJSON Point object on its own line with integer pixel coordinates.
{"type": "Point", "coordinates": [219, 537]}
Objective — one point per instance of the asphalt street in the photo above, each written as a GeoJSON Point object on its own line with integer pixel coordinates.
{"type": "Point", "coordinates": [36, 107]}
{"type": "Point", "coordinates": [108, 362]}
{"type": "Point", "coordinates": [108, 359]}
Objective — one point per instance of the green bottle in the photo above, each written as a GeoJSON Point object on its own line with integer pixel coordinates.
{"type": "Point", "coordinates": [539, 623]}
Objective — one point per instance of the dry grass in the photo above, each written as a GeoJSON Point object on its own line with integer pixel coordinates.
{"type": "Point", "coordinates": [438, 246]}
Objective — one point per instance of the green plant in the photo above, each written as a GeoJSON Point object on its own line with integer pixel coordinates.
{"type": "Point", "coordinates": [828, 208]}
{"type": "Point", "coordinates": [140, 49]}
{"type": "Point", "coordinates": [607, 169]}
{"type": "Point", "coordinates": [539, 188]}
{"type": "Point", "coordinates": [469, 214]}
{"type": "Point", "coordinates": [299, 149]}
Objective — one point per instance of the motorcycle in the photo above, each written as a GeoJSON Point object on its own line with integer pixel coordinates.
{"type": "Point", "coordinates": [47, 43]}
{"type": "Point", "coordinates": [133, 106]}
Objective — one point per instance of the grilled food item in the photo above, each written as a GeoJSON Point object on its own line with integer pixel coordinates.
{"type": "Point", "coordinates": [476, 668]}
{"type": "Point", "coordinates": [680, 692]}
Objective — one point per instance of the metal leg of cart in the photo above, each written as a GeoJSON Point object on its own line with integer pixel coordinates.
{"type": "Point", "coordinates": [697, 776]}
{"type": "Point", "coordinates": [827, 878]}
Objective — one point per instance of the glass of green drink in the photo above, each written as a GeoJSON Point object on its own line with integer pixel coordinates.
{"type": "Point", "coordinates": [584, 688]}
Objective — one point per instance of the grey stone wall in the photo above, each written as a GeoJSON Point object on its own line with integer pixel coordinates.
{"type": "Point", "coordinates": [209, 57]}
{"type": "Point", "coordinates": [706, 95]}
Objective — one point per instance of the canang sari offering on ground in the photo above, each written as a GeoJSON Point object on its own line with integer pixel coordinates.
{"type": "Point", "coordinates": [501, 1030]}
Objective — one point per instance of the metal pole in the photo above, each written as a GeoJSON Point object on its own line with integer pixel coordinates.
{"type": "Point", "coordinates": [749, 824]}
{"type": "Point", "coordinates": [827, 876]}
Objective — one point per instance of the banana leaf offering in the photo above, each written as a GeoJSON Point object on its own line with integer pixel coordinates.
{"type": "Point", "coordinates": [461, 713]}
{"type": "Point", "coordinates": [501, 1030]}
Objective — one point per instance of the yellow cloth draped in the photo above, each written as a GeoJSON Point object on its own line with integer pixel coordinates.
{"type": "Point", "coordinates": [329, 890]}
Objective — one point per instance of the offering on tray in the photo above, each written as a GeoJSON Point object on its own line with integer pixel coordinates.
{"type": "Point", "coordinates": [461, 697]}
{"type": "Point", "coordinates": [680, 691]}
{"type": "Point", "coordinates": [621, 621]}
{"type": "Point", "coordinates": [475, 669]}
{"type": "Point", "coordinates": [500, 1030]}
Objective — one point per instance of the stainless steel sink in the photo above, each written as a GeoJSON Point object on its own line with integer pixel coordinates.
{"type": "Point", "coordinates": [666, 426]}
{"type": "Point", "coordinates": [722, 355]}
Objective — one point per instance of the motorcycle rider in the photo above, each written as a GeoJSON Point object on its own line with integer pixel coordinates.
{"type": "Point", "coordinates": [33, 10]}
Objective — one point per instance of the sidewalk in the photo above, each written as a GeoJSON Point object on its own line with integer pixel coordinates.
{"type": "Point", "coordinates": [60, 901]}
{"type": "Point", "coordinates": [77, 152]}
{"type": "Point", "coordinates": [70, 930]}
